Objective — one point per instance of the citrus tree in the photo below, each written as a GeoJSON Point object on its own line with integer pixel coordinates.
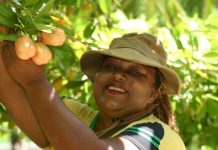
{"type": "Point", "coordinates": [187, 28]}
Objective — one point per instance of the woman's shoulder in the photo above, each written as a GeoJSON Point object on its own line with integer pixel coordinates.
{"type": "Point", "coordinates": [151, 133]}
{"type": "Point", "coordinates": [82, 111]}
{"type": "Point", "coordinates": [171, 139]}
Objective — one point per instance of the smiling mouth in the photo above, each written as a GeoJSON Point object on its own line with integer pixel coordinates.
{"type": "Point", "coordinates": [116, 90]}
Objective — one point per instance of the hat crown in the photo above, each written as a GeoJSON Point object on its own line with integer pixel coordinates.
{"type": "Point", "coordinates": [146, 44]}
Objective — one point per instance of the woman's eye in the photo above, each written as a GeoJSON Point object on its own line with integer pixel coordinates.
{"type": "Point", "coordinates": [109, 67]}
{"type": "Point", "coordinates": [135, 72]}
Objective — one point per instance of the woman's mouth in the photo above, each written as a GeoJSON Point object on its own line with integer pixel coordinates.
{"type": "Point", "coordinates": [116, 90]}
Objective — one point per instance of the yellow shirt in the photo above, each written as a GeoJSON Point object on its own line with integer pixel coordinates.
{"type": "Point", "coordinates": [169, 141]}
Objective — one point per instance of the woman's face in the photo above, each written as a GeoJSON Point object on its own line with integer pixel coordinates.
{"type": "Point", "coordinates": [123, 88]}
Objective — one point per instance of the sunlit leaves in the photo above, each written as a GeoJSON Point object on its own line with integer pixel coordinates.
{"type": "Point", "coordinates": [45, 8]}
{"type": "Point", "coordinates": [212, 55]}
{"type": "Point", "coordinates": [105, 5]}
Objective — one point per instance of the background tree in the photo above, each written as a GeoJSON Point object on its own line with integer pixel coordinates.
{"type": "Point", "coordinates": [187, 28]}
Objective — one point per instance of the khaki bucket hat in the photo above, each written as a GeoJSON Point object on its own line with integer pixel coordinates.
{"type": "Point", "coordinates": [143, 49]}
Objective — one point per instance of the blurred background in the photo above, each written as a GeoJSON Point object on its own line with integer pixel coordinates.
{"type": "Point", "coordinates": [188, 30]}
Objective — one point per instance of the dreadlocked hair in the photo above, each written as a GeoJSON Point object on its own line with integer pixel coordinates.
{"type": "Point", "coordinates": [163, 108]}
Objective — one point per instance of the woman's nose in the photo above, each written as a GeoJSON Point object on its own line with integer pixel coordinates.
{"type": "Point", "coordinates": [118, 76]}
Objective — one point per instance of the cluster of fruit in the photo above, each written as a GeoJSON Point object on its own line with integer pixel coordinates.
{"type": "Point", "coordinates": [40, 54]}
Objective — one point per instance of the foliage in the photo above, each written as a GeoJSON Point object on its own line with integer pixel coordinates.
{"type": "Point", "coordinates": [189, 34]}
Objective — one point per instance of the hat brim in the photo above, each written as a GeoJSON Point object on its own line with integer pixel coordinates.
{"type": "Point", "coordinates": [91, 62]}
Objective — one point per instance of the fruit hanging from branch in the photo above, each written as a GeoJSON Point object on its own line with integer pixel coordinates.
{"type": "Point", "coordinates": [43, 54]}
{"type": "Point", "coordinates": [33, 28]}
{"type": "Point", "coordinates": [25, 48]}
{"type": "Point", "coordinates": [56, 38]}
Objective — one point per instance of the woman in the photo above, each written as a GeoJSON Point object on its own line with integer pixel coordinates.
{"type": "Point", "coordinates": [131, 84]}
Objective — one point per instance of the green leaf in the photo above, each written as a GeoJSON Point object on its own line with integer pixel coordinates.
{"type": "Point", "coordinates": [45, 24]}
{"type": "Point", "coordinates": [75, 84]}
{"type": "Point", "coordinates": [211, 55]}
{"type": "Point", "coordinates": [7, 16]}
{"type": "Point", "coordinates": [90, 28]}
{"type": "Point", "coordinates": [212, 107]}
{"type": "Point", "coordinates": [2, 108]}
{"type": "Point", "coordinates": [105, 5]}
{"type": "Point", "coordinates": [44, 27]}
{"type": "Point", "coordinates": [46, 8]}
{"type": "Point", "coordinates": [26, 23]}
{"type": "Point", "coordinates": [34, 9]}
{"type": "Point", "coordinates": [63, 52]}
{"type": "Point", "coordinates": [67, 31]}
{"type": "Point", "coordinates": [8, 37]}
{"type": "Point", "coordinates": [29, 2]}
{"type": "Point", "coordinates": [6, 22]}
{"type": "Point", "coordinates": [64, 55]}
{"type": "Point", "coordinates": [202, 112]}
{"type": "Point", "coordinates": [213, 97]}
{"type": "Point", "coordinates": [79, 3]}
{"type": "Point", "coordinates": [5, 10]}
{"type": "Point", "coordinates": [66, 2]}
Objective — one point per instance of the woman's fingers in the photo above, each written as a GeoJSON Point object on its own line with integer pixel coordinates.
{"type": "Point", "coordinates": [22, 71]}
{"type": "Point", "coordinates": [8, 55]}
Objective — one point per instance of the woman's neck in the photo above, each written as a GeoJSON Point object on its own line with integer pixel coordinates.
{"type": "Point", "coordinates": [103, 123]}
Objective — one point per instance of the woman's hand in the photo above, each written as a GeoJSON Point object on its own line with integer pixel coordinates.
{"type": "Point", "coordinates": [24, 72]}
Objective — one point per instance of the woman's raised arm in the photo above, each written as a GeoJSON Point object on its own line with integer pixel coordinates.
{"type": "Point", "coordinates": [16, 103]}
